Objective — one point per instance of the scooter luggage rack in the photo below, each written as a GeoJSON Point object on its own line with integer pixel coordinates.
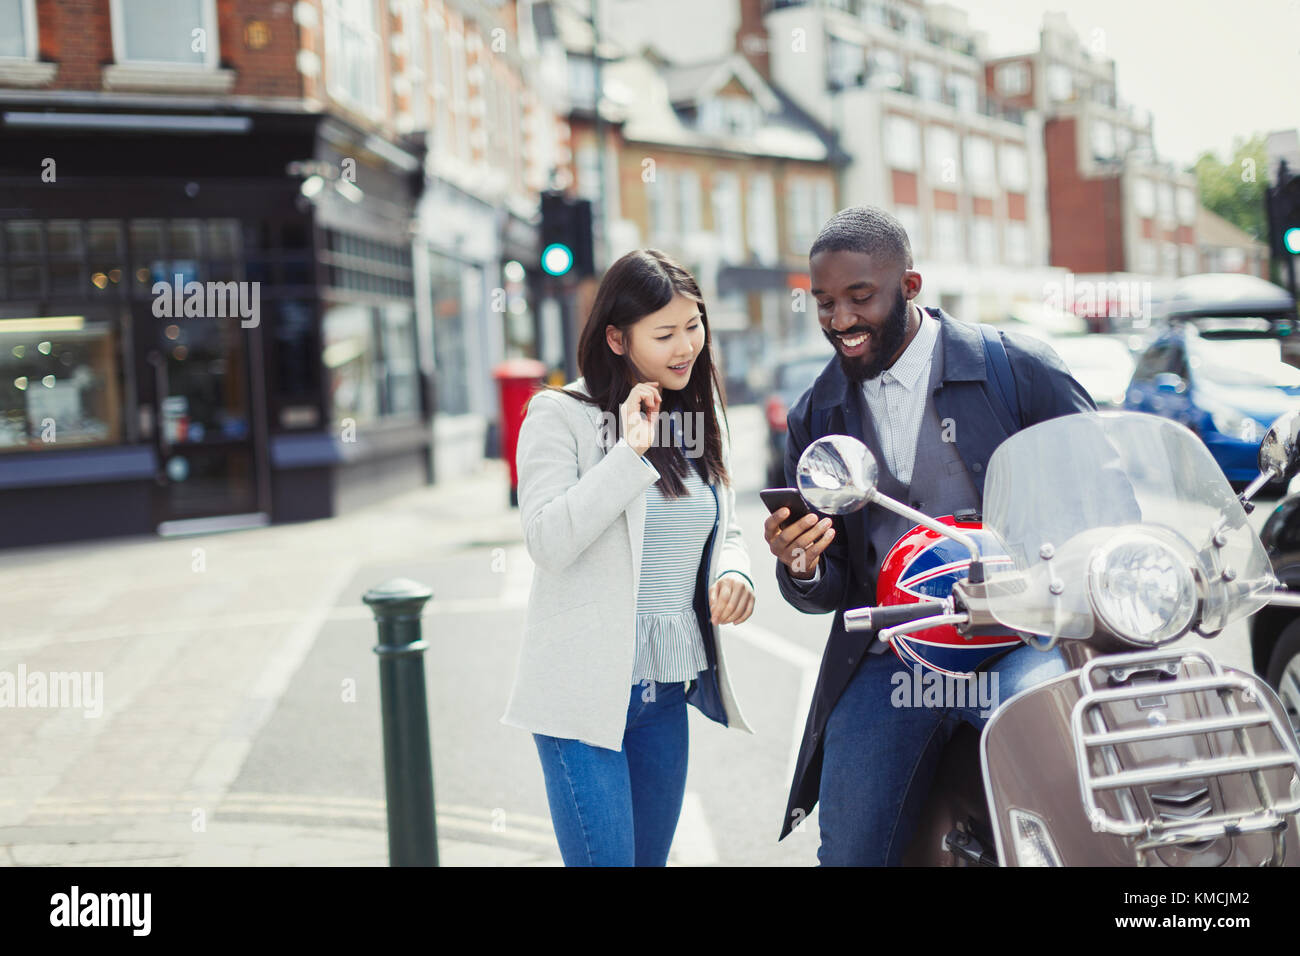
{"type": "Point", "coordinates": [1270, 814]}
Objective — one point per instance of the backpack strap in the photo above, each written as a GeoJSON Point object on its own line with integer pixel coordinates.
{"type": "Point", "coordinates": [1001, 379]}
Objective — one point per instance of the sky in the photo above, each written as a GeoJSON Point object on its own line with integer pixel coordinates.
{"type": "Point", "coordinates": [1207, 70]}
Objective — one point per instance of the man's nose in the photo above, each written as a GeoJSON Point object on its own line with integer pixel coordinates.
{"type": "Point", "coordinates": [842, 319]}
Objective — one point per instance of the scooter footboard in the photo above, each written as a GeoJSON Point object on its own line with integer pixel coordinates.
{"type": "Point", "coordinates": [1153, 758]}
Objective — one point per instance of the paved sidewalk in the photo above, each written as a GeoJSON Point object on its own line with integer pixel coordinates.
{"type": "Point", "coordinates": [195, 640]}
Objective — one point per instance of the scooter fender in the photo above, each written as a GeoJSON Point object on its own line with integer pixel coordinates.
{"type": "Point", "coordinates": [1032, 780]}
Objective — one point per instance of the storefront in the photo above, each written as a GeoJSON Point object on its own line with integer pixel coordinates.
{"type": "Point", "coordinates": [186, 342]}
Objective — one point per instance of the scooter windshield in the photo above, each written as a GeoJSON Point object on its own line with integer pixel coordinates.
{"type": "Point", "coordinates": [1060, 490]}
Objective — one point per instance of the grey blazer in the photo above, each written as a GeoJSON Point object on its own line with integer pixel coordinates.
{"type": "Point", "coordinates": [583, 513]}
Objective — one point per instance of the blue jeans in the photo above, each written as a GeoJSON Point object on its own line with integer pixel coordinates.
{"type": "Point", "coordinates": [620, 807]}
{"type": "Point", "coordinates": [882, 747]}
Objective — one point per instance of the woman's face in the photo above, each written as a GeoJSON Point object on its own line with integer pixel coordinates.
{"type": "Point", "coordinates": [664, 345]}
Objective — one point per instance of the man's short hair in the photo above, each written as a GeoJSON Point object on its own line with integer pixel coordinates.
{"type": "Point", "coordinates": [866, 229]}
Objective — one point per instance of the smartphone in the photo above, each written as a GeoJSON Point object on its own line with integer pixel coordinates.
{"type": "Point", "coordinates": [777, 498]}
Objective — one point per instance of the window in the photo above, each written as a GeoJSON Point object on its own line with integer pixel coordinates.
{"type": "Point", "coordinates": [979, 160]}
{"type": "Point", "coordinates": [845, 64]}
{"type": "Point", "coordinates": [1165, 202]}
{"type": "Point", "coordinates": [663, 206]}
{"type": "Point", "coordinates": [910, 220]}
{"type": "Point", "coordinates": [1017, 237]}
{"type": "Point", "coordinates": [941, 162]}
{"type": "Point", "coordinates": [1169, 258]}
{"type": "Point", "coordinates": [353, 61]}
{"type": "Point", "coordinates": [925, 80]}
{"type": "Point", "coordinates": [964, 92]}
{"type": "Point", "coordinates": [726, 216]}
{"type": "Point", "coordinates": [1144, 198]}
{"type": "Point", "coordinates": [1103, 140]}
{"type": "Point", "coordinates": [947, 236]}
{"type": "Point", "coordinates": [165, 32]}
{"type": "Point", "coordinates": [417, 76]}
{"type": "Point", "coordinates": [902, 142]}
{"type": "Point", "coordinates": [688, 198]}
{"type": "Point", "coordinates": [1188, 264]}
{"type": "Point", "coordinates": [1186, 206]}
{"type": "Point", "coordinates": [18, 29]}
{"type": "Point", "coordinates": [885, 69]}
{"type": "Point", "coordinates": [1060, 84]}
{"type": "Point", "coordinates": [440, 76]}
{"type": "Point", "coordinates": [761, 227]}
{"type": "Point", "coordinates": [1012, 79]}
{"type": "Point", "coordinates": [983, 239]}
{"type": "Point", "coordinates": [1014, 166]}
{"type": "Point", "coordinates": [369, 357]}
{"type": "Point", "coordinates": [808, 207]}
{"type": "Point", "coordinates": [1123, 140]}
{"type": "Point", "coordinates": [58, 383]}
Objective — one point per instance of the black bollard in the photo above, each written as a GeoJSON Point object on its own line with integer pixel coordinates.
{"type": "Point", "coordinates": [408, 761]}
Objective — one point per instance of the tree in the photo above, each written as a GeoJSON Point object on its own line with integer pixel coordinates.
{"type": "Point", "coordinates": [1235, 190]}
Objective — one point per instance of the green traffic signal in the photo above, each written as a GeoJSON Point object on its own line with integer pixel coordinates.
{"type": "Point", "coordinates": [557, 259]}
{"type": "Point", "coordinates": [1291, 240]}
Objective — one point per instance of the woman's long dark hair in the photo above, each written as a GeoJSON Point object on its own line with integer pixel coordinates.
{"type": "Point", "coordinates": [642, 282]}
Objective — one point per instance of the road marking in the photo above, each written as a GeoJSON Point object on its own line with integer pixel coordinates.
{"type": "Point", "coordinates": [693, 842]}
{"type": "Point", "coordinates": [800, 657]}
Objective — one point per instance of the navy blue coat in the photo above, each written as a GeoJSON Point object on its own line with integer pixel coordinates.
{"type": "Point", "coordinates": [849, 566]}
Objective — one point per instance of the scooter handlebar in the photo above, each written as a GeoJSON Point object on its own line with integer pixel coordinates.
{"type": "Point", "coordinates": [890, 615]}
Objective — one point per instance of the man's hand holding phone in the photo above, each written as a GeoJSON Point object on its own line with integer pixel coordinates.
{"type": "Point", "coordinates": [798, 544]}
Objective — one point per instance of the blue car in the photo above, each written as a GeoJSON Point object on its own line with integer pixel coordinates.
{"type": "Point", "coordinates": [1225, 380]}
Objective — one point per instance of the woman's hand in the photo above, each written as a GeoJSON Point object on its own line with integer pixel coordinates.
{"type": "Point", "coordinates": [639, 428]}
{"type": "Point", "coordinates": [731, 600]}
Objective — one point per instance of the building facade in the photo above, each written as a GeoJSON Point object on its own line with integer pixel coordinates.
{"type": "Point", "coordinates": [229, 293]}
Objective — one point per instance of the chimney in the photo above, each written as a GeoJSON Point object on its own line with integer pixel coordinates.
{"type": "Point", "coordinates": [751, 37]}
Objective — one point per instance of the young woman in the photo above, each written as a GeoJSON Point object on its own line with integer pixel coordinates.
{"type": "Point", "coordinates": [630, 520]}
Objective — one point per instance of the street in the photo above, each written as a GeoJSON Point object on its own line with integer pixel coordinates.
{"type": "Point", "coordinates": [240, 717]}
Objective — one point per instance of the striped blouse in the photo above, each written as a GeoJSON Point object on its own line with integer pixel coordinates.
{"type": "Point", "coordinates": [669, 646]}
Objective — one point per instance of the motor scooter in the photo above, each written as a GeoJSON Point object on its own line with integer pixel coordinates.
{"type": "Point", "coordinates": [1120, 536]}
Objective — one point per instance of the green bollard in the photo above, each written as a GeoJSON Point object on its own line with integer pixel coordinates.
{"type": "Point", "coordinates": [408, 761]}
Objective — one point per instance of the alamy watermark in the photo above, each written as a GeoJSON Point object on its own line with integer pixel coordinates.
{"type": "Point", "coordinates": [684, 430]}
{"type": "Point", "coordinates": [923, 687]}
{"type": "Point", "coordinates": [1113, 300]}
{"type": "Point", "coordinates": [74, 690]}
{"type": "Point", "coordinates": [211, 300]}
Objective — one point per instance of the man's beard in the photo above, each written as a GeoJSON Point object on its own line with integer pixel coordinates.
{"type": "Point", "coordinates": [888, 340]}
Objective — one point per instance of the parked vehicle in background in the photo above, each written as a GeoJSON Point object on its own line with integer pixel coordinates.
{"type": "Point", "coordinates": [788, 377]}
{"type": "Point", "coordinates": [1219, 365]}
{"type": "Point", "coordinates": [1103, 364]}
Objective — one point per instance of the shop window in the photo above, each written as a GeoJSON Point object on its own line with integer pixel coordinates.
{"type": "Point", "coordinates": [58, 383]}
{"type": "Point", "coordinates": [370, 358]}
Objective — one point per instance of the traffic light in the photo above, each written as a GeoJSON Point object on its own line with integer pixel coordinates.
{"type": "Point", "coordinates": [566, 236]}
{"type": "Point", "coordinates": [1284, 213]}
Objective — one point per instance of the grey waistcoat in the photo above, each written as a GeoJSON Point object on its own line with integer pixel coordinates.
{"type": "Point", "coordinates": [940, 483]}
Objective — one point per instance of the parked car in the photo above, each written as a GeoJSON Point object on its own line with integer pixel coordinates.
{"type": "Point", "coordinates": [1218, 365]}
{"type": "Point", "coordinates": [1101, 363]}
{"type": "Point", "coordinates": [788, 378]}
{"type": "Point", "coordinates": [1275, 631]}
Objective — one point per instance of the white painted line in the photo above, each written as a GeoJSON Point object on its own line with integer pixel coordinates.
{"type": "Point", "coordinates": [808, 664]}
{"type": "Point", "coordinates": [693, 842]}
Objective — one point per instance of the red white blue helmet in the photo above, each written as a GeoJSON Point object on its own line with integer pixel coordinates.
{"type": "Point", "coordinates": [923, 565]}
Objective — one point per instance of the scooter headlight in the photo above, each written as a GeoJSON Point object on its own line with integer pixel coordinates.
{"type": "Point", "coordinates": [1142, 589]}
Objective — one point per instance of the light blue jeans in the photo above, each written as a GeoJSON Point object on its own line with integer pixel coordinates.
{"type": "Point", "coordinates": [620, 807]}
{"type": "Point", "coordinates": [880, 758]}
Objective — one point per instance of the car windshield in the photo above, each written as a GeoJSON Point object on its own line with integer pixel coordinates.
{"type": "Point", "coordinates": [1241, 362]}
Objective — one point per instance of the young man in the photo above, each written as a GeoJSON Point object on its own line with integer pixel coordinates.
{"type": "Point", "coordinates": [913, 385]}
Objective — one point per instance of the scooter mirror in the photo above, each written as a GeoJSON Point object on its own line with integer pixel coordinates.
{"type": "Point", "coordinates": [836, 475]}
{"type": "Point", "coordinates": [1279, 452]}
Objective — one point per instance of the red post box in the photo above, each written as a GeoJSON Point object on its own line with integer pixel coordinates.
{"type": "Point", "coordinates": [517, 380]}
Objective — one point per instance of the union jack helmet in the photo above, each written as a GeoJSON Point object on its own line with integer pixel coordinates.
{"type": "Point", "coordinates": [923, 565]}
